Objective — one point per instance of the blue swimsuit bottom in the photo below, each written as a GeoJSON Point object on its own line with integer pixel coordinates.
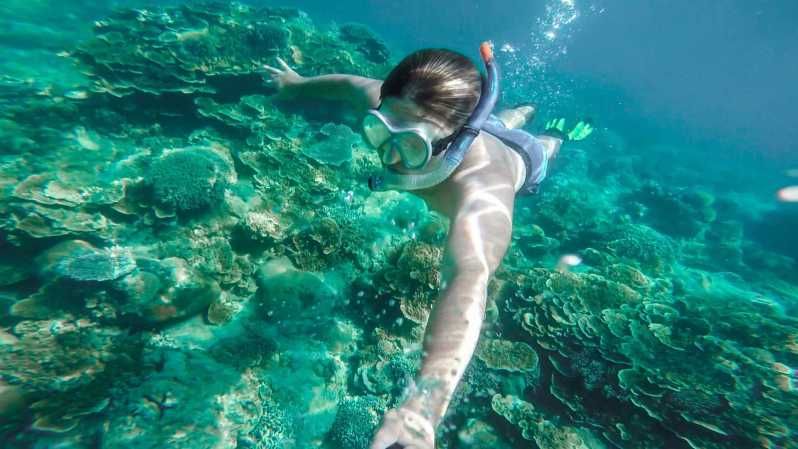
{"type": "Point", "coordinates": [529, 147]}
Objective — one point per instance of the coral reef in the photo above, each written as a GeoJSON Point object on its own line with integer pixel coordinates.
{"type": "Point", "coordinates": [356, 420]}
{"type": "Point", "coordinates": [190, 179]}
{"type": "Point", "coordinates": [188, 261]}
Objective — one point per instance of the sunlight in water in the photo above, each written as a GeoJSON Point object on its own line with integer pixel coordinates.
{"type": "Point", "coordinates": [526, 63]}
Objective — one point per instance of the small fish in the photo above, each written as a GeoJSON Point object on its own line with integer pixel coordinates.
{"type": "Point", "coordinates": [85, 140]}
{"type": "Point", "coordinates": [77, 94]}
{"type": "Point", "coordinates": [792, 173]}
{"type": "Point", "coordinates": [788, 194]}
{"type": "Point", "coordinates": [568, 261]}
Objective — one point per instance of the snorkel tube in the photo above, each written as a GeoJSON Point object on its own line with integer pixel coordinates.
{"type": "Point", "coordinates": [390, 180]}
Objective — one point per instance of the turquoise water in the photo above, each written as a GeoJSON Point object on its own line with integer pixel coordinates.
{"type": "Point", "coordinates": [188, 261]}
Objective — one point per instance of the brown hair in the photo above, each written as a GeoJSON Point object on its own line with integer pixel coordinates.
{"type": "Point", "coordinates": [444, 84]}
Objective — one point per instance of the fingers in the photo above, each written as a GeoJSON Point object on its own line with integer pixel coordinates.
{"type": "Point", "coordinates": [283, 64]}
{"type": "Point", "coordinates": [388, 434]}
{"type": "Point", "coordinates": [384, 438]}
{"type": "Point", "coordinates": [272, 69]}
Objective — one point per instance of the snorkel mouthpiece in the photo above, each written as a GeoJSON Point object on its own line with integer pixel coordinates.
{"type": "Point", "coordinates": [457, 150]}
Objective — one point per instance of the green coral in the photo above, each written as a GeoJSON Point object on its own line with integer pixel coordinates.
{"type": "Point", "coordinates": [534, 426]}
{"type": "Point", "coordinates": [356, 421]}
{"type": "Point", "coordinates": [507, 355]}
{"type": "Point", "coordinates": [602, 326]}
{"type": "Point", "coordinates": [166, 402]}
{"type": "Point", "coordinates": [676, 212]}
{"type": "Point", "coordinates": [335, 147]}
{"type": "Point", "coordinates": [389, 375]}
{"type": "Point", "coordinates": [78, 260]}
{"type": "Point", "coordinates": [273, 428]}
{"type": "Point", "coordinates": [189, 179]}
{"type": "Point", "coordinates": [57, 355]}
{"type": "Point", "coordinates": [644, 247]}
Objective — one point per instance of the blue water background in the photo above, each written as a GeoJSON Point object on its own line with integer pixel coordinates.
{"type": "Point", "coordinates": [715, 74]}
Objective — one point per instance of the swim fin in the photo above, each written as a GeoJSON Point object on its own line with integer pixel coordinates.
{"type": "Point", "coordinates": [556, 128]}
{"type": "Point", "coordinates": [580, 131]}
{"type": "Point", "coordinates": [556, 124]}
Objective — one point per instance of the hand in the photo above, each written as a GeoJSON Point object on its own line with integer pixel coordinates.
{"type": "Point", "coordinates": [404, 429]}
{"type": "Point", "coordinates": [284, 77]}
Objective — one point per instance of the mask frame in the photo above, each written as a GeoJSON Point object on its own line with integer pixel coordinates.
{"type": "Point", "coordinates": [402, 139]}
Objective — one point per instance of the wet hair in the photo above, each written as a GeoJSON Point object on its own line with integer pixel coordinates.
{"type": "Point", "coordinates": [443, 83]}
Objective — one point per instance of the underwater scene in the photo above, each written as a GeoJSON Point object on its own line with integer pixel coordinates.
{"type": "Point", "coordinates": [196, 253]}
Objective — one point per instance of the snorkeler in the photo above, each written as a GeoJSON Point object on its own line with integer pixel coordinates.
{"type": "Point", "coordinates": [431, 123]}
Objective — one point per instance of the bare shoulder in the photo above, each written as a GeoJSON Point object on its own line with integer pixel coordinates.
{"type": "Point", "coordinates": [373, 92]}
{"type": "Point", "coordinates": [489, 160]}
{"type": "Point", "coordinates": [488, 169]}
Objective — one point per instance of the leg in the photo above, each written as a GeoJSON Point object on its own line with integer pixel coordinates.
{"type": "Point", "coordinates": [517, 117]}
{"type": "Point", "coordinates": [552, 145]}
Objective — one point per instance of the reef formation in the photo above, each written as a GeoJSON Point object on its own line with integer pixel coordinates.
{"type": "Point", "coordinates": [186, 261]}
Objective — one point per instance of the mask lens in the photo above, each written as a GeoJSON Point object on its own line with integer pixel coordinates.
{"type": "Point", "coordinates": [413, 149]}
{"type": "Point", "coordinates": [375, 130]}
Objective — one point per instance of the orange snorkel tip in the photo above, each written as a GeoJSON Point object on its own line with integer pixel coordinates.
{"type": "Point", "coordinates": [486, 51]}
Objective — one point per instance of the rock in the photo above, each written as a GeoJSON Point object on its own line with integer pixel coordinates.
{"type": "Point", "coordinates": [160, 291]}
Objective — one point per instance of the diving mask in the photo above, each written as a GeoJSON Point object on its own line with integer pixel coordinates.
{"type": "Point", "coordinates": [456, 145]}
{"type": "Point", "coordinates": [411, 143]}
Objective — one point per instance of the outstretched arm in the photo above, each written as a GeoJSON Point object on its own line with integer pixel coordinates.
{"type": "Point", "coordinates": [478, 238]}
{"type": "Point", "coordinates": [360, 92]}
{"type": "Point", "coordinates": [481, 225]}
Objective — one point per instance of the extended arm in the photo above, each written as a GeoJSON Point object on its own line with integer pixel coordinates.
{"type": "Point", "coordinates": [360, 92]}
{"type": "Point", "coordinates": [478, 238]}
{"type": "Point", "coordinates": [481, 225]}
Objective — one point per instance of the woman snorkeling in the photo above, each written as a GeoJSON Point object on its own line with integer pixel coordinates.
{"type": "Point", "coordinates": [430, 121]}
